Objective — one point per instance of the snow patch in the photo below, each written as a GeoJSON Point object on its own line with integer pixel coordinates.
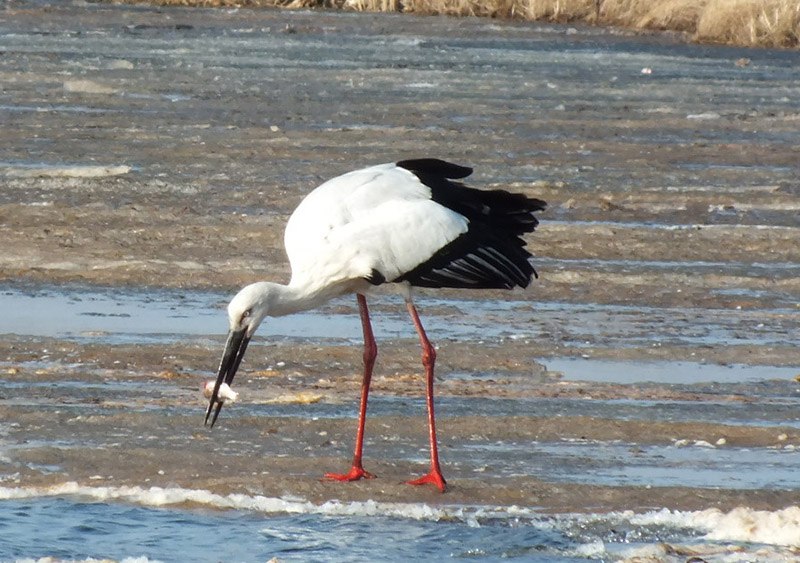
{"type": "Point", "coordinates": [67, 171]}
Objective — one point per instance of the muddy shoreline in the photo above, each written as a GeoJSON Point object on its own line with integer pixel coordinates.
{"type": "Point", "coordinates": [157, 440]}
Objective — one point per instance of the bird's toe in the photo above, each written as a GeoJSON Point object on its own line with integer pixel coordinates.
{"type": "Point", "coordinates": [433, 478]}
{"type": "Point", "coordinates": [355, 474]}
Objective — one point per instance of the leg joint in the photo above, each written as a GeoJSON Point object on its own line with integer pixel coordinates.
{"type": "Point", "coordinates": [428, 355]}
{"type": "Point", "coordinates": [370, 353]}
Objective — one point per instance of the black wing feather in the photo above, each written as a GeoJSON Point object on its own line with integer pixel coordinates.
{"type": "Point", "coordinates": [491, 254]}
{"type": "Point", "coordinates": [436, 167]}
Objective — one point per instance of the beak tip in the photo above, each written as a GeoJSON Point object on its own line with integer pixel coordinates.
{"type": "Point", "coordinates": [208, 412]}
{"type": "Point", "coordinates": [210, 425]}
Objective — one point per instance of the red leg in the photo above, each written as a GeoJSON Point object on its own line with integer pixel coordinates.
{"type": "Point", "coordinates": [370, 353]}
{"type": "Point", "coordinates": [434, 476]}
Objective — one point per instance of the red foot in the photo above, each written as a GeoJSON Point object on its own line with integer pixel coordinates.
{"type": "Point", "coordinates": [432, 478]}
{"type": "Point", "coordinates": [355, 474]}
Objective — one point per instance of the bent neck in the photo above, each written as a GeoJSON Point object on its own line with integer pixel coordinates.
{"type": "Point", "coordinates": [295, 297]}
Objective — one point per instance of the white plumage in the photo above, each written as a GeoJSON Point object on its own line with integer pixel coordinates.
{"type": "Point", "coordinates": [406, 223]}
{"type": "Point", "coordinates": [380, 218]}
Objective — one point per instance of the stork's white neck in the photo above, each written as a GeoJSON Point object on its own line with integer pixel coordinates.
{"type": "Point", "coordinates": [269, 299]}
{"type": "Point", "coordinates": [292, 298]}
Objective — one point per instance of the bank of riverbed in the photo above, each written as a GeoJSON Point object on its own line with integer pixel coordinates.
{"type": "Point", "coordinates": [751, 23]}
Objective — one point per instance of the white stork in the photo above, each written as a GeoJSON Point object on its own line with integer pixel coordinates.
{"type": "Point", "coordinates": [407, 224]}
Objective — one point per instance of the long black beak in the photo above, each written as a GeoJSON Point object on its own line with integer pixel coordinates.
{"type": "Point", "coordinates": [231, 358]}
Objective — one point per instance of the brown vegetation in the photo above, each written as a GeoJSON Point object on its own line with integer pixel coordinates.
{"type": "Point", "coordinates": [766, 23]}
{"type": "Point", "coordinates": [771, 23]}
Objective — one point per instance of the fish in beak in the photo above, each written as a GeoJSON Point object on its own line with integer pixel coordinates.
{"type": "Point", "coordinates": [231, 359]}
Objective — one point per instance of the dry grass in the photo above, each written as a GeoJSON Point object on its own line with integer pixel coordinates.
{"type": "Point", "coordinates": [551, 10]}
{"type": "Point", "coordinates": [773, 23]}
{"type": "Point", "coordinates": [768, 23]}
{"type": "Point", "coordinates": [675, 15]}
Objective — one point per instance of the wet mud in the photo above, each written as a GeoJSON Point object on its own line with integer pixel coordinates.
{"type": "Point", "coordinates": [554, 448]}
{"type": "Point", "coordinates": [149, 158]}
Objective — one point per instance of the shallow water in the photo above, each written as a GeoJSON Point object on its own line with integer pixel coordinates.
{"type": "Point", "coordinates": [582, 369]}
{"type": "Point", "coordinates": [92, 529]}
{"type": "Point", "coordinates": [119, 315]}
{"type": "Point", "coordinates": [84, 528]}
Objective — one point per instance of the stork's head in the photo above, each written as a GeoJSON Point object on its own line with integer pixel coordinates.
{"type": "Point", "coordinates": [245, 312]}
{"type": "Point", "coordinates": [249, 307]}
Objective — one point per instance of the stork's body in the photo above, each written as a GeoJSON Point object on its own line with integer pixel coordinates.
{"type": "Point", "coordinates": [404, 223]}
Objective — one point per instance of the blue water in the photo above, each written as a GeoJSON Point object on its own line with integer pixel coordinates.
{"type": "Point", "coordinates": [119, 316]}
{"type": "Point", "coordinates": [77, 526]}
{"type": "Point", "coordinates": [66, 528]}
